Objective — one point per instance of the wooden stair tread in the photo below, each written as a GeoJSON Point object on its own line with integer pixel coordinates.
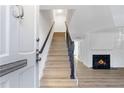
{"type": "Point", "coordinates": [58, 83]}
{"type": "Point", "coordinates": [55, 66]}
{"type": "Point", "coordinates": [58, 54]}
{"type": "Point", "coordinates": [58, 64]}
{"type": "Point", "coordinates": [56, 61]}
{"type": "Point", "coordinates": [59, 48]}
{"type": "Point", "coordinates": [61, 57]}
{"type": "Point", "coordinates": [59, 34]}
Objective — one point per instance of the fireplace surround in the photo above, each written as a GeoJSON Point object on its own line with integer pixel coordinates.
{"type": "Point", "coordinates": [101, 61]}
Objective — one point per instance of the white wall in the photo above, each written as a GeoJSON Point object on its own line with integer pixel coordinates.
{"type": "Point", "coordinates": [59, 19]}
{"type": "Point", "coordinates": [102, 43]}
{"type": "Point", "coordinates": [83, 51]}
{"type": "Point", "coordinates": [59, 25]}
{"type": "Point", "coordinates": [69, 15]}
{"type": "Point", "coordinates": [118, 15]}
{"type": "Point", "coordinates": [44, 25]}
{"type": "Point", "coordinates": [45, 22]}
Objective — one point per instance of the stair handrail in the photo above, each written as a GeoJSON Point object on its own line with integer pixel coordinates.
{"type": "Point", "coordinates": [70, 46]}
{"type": "Point", "coordinates": [44, 44]}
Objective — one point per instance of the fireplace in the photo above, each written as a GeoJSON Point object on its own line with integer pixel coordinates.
{"type": "Point", "coordinates": [101, 61]}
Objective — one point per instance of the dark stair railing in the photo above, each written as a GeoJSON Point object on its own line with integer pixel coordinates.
{"type": "Point", "coordinates": [44, 44]}
{"type": "Point", "coordinates": [70, 46]}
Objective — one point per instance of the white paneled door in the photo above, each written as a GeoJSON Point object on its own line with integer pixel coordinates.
{"type": "Point", "coordinates": [18, 67]}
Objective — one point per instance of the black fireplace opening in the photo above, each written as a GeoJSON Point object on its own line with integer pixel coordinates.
{"type": "Point", "coordinates": [101, 61]}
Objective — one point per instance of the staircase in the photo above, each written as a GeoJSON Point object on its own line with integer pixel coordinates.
{"type": "Point", "coordinates": [57, 69]}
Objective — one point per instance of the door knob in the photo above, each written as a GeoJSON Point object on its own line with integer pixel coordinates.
{"type": "Point", "coordinates": [38, 59]}
{"type": "Point", "coordinates": [38, 40]}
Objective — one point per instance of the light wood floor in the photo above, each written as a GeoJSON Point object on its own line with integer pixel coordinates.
{"type": "Point", "coordinates": [57, 71]}
{"type": "Point", "coordinates": [88, 77]}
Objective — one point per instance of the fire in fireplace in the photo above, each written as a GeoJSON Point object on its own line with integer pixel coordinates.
{"type": "Point", "coordinates": [101, 61]}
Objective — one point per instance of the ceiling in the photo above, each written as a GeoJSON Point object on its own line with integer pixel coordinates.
{"type": "Point", "coordinates": [90, 18]}
{"type": "Point", "coordinates": [59, 6]}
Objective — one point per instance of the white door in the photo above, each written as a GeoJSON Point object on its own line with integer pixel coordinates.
{"type": "Point", "coordinates": [18, 46]}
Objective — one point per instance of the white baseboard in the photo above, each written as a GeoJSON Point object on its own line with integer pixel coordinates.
{"type": "Point", "coordinates": [82, 61]}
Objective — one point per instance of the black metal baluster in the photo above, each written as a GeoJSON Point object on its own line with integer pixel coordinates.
{"type": "Point", "coordinates": [70, 45]}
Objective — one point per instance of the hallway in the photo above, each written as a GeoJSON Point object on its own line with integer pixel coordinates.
{"type": "Point", "coordinates": [57, 68]}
